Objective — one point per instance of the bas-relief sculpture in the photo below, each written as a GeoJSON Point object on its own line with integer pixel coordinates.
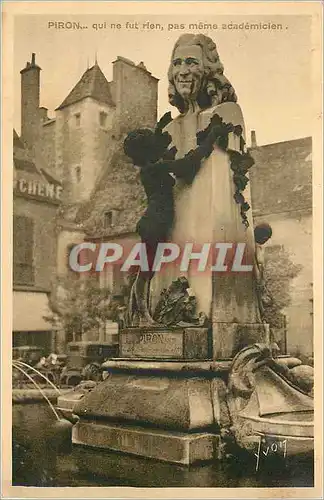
{"type": "Point", "coordinates": [187, 394]}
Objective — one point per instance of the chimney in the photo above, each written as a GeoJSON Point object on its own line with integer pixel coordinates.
{"type": "Point", "coordinates": [253, 139]}
{"type": "Point", "coordinates": [142, 65]}
{"type": "Point", "coordinates": [30, 88]}
{"type": "Point", "coordinates": [134, 88]}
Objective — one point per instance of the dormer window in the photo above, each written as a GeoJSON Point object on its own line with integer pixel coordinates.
{"type": "Point", "coordinates": [108, 219]}
{"type": "Point", "coordinates": [103, 119]}
{"type": "Point", "coordinates": [77, 118]}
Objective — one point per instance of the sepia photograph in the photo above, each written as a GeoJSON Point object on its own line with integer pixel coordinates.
{"type": "Point", "coordinates": [163, 328]}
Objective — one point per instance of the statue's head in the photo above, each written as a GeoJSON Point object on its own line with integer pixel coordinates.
{"type": "Point", "coordinates": [196, 74]}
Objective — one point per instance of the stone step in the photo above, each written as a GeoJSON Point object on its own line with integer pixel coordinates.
{"type": "Point", "coordinates": [167, 365]}
{"type": "Point", "coordinates": [174, 447]}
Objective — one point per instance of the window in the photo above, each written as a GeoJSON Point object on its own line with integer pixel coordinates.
{"type": "Point", "coordinates": [103, 119]}
{"type": "Point", "coordinates": [108, 219]}
{"type": "Point", "coordinates": [77, 118]}
{"type": "Point", "coordinates": [23, 254]}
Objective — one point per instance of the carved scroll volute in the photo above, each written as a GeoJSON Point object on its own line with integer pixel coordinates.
{"type": "Point", "coordinates": [241, 380]}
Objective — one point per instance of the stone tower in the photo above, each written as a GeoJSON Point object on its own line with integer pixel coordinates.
{"type": "Point", "coordinates": [92, 119]}
{"type": "Point", "coordinates": [82, 134]}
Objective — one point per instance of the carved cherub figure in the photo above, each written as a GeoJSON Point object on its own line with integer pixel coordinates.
{"type": "Point", "coordinates": [262, 233]}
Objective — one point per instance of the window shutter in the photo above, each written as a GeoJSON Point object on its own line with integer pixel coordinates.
{"type": "Point", "coordinates": [23, 254]}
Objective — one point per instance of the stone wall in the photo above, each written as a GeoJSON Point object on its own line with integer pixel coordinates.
{"type": "Point", "coordinates": [135, 95]}
{"type": "Point", "coordinates": [120, 190]}
{"type": "Point", "coordinates": [46, 145]}
{"type": "Point", "coordinates": [281, 178]}
{"type": "Point", "coordinates": [69, 145]}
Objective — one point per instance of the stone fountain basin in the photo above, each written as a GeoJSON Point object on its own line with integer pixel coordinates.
{"type": "Point", "coordinates": [290, 424]}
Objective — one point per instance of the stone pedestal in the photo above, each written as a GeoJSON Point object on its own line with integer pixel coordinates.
{"type": "Point", "coordinates": [230, 338]}
{"type": "Point", "coordinates": [206, 212]}
{"type": "Point", "coordinates": [168, 400]}
{"type": "Point", "coordinates": [175, 447]}
{"type": "Point", "coordinates": [169, 414]}
{"type": "Point", "coordinates": [161, 401]}
{"type": "Point", "coordinates": [165, 343]}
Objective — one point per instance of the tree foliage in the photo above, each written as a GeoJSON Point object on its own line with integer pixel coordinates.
{"type": "Point", "coordinates": [79, 305]}
{"type": "Point", "coordinates": [279, 272]}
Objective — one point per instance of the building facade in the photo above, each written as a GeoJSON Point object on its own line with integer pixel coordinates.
{"type": "Point", "coordinates": [36, 199]}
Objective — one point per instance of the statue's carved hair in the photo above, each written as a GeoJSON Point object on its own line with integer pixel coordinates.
{"type": "Point", "coordinates": [215, 88]}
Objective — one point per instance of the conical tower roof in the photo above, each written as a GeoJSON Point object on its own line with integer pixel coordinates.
{"type": "Point", "coordinates": [93, 83]}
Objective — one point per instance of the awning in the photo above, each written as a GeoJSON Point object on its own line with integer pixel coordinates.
{"type": "Point", "coordinates": [28, 311]}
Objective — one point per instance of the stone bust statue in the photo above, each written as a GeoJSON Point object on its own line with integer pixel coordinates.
{"type": "Point", "coordinates": [196, 75]}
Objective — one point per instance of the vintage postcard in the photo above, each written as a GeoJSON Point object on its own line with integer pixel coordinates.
{"type": "Point", "coordinates": [162, 250]}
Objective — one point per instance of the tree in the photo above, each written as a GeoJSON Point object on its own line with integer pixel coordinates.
{"type": "Point", "coordinates": [79, 306]}
{"type": "Point", "coordinates": [279, 272]}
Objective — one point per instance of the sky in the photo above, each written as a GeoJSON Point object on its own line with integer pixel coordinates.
{"type": "Point", "coordinates": [270, 69]}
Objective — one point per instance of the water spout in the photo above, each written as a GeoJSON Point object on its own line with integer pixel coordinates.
{"type": "Point", "coordinates": [39, 373]}
{"type": "Point", "coordinates": [39, 388]}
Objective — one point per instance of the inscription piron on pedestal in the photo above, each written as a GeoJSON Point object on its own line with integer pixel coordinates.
{"type": "Point", "coordinates": [164, 343]}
